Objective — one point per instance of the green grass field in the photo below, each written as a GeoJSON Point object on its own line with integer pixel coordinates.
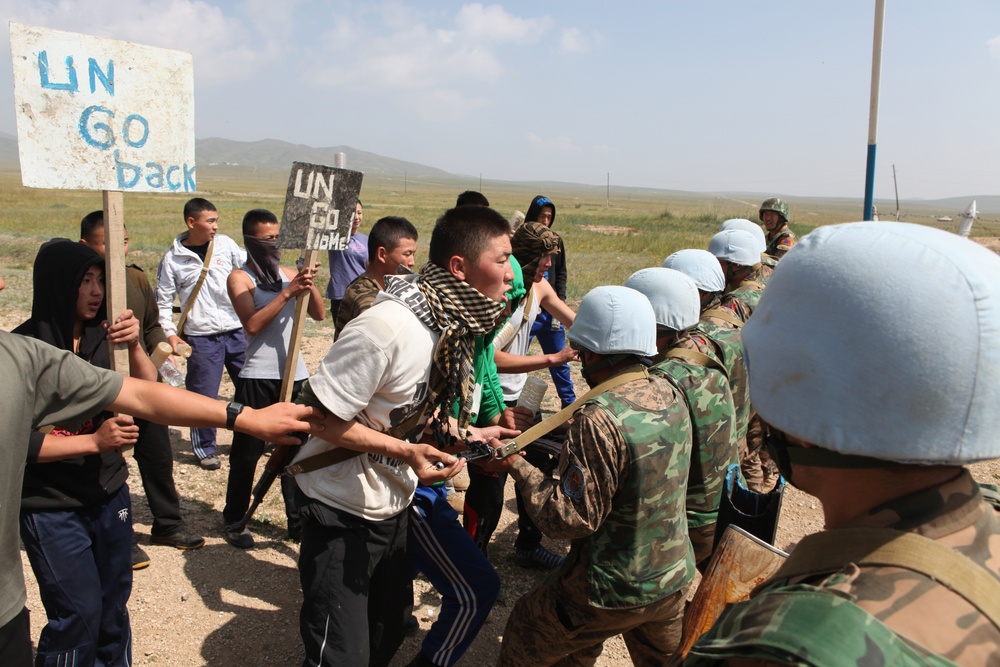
{"type": "Point", "coordinates": [605, 243]}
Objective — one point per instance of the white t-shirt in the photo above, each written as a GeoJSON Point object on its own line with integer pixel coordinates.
{"type": "Point", "coordinates": [512, 384]}
{"type": "Point", "coordinates": [378, 372]}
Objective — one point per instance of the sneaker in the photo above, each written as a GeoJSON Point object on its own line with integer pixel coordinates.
{"type": "Point", "coordinates": [179, 539]}
{"type": "Point", "coordinates": [241, 539]}
{"type": "Point", "coordinates": [210, 462]}
{"type": "Point", "coordinates": [139, 558]}
{"type": "Point", "coordinates": [539, 557]}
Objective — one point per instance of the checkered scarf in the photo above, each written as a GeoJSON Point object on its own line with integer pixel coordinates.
{"type": "Point", "coordinates": [459, 313]}
{"type": "Point", "coordinates": [530, 243]}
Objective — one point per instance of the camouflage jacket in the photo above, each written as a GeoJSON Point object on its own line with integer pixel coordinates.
{"type": "Point", "coordinates": [620, 495]}
{"type": "Point", "coordinates": [873, 615]}
{"type": "Point", "coordinates": [358, 297]}
{"type": "Point", "coordinates": [780, 241]}
{"type": "Point", "coordinates": [743, 298]}
{"type": "Point", "coordinates": [714, 446]}
{"type": "Point", "coordinates": [725, 345]}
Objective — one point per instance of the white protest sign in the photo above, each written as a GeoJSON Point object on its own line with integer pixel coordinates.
{"type": "Point", "coordinates": [102, 114]}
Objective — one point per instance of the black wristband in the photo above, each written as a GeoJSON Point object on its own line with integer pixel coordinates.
{"type": "Point", "coordinates": [233, 411]}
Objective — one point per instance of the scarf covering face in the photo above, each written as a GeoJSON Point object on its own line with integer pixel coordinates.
{"type": "Point", "coordinates": [459, 313]}
{"type": "Point", "coordinates": [530, 243]}
{"type": "Point", "coordinates": [263, 258]}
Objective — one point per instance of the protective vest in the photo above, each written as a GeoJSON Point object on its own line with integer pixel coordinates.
{"type": "Point", "coordinates": [710, 407]}
{"type": "Point", "coordinates": [641, 553]}
{"type": "Point", "coordinates": [728, 344]}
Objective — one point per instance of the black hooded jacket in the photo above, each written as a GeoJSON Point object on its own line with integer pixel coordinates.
{"type": "Point", "coordinates": [86, 480]}
{"type": "Point", "coordinates": [557, 274]}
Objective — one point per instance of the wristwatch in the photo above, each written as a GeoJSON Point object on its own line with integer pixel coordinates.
{"type": "Point", "coordinates": [233, 411]}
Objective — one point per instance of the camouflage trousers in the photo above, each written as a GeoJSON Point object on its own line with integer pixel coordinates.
{"type": "Point", "coordinates": [554, 625]}
{"type": "Point", "coordinates": [702, 540]}
{"type": "Point", "coordinates": [759, 470]}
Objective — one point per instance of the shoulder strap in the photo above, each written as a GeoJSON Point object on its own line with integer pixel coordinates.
{"type": "Point", "coordinates": [697, 358]}
{"type": "Point", "coordinates": [544, 427]}
{"type": "Point", "coordinates": [506, 341]}
{"type": "Point", "coordinates": [725, 315]}
{"type": "Point", "coordinates": [197, 288]}
{"type": "Point", "coordinates": [330, 457]}
{"type": "Point", "coordinates": [831, 550]}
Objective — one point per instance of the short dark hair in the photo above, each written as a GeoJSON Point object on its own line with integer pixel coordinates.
{"type": "Point", "coordinates": [387, 233]}
{"type": "Point", "coordinates": [256, 217]}
{"type": "Point", "coordinates": [472, 198]}
{"type": "Point", "coordinates": [90, 222]}
{"type": "Point", "coordinates": [196, 206]}
{"type": "Point", "coordinates": [465, 231]}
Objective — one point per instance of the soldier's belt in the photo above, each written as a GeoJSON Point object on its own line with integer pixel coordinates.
{"type": "Point", "coordinates": [514, 445]}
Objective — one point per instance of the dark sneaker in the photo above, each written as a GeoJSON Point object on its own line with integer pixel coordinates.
{"type": "Point", "coordinates": [180, 539]}
{"type": "Point", "coordinates": [210, 462]}
{"type": "Point", "coordinates": [139, 558]}
{"type": "Point", "coordinates": [539, 557]}
{"type": "Point", "coordinates": [241, 539]}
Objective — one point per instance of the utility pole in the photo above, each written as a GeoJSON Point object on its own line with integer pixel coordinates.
{"type": "Point", "coordinates": [895, 187]}
{"type": "Point", "coordinates": [609, 190]}
{"type": "Point", "coordinates": [873, 107]}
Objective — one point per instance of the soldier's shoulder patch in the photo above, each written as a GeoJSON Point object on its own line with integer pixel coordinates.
{"type": "Point", "coordinates": [574, 482]}
{"type": "Point", "coordinates": [786, 242]}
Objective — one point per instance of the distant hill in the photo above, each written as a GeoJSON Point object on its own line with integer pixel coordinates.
{"type": "Point", "coordinates": [280, 155]}
{"type": "Point", "coordinates": [275, 154]}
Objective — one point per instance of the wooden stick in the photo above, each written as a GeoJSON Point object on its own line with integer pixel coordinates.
{"type": "Point", "coordinates": [114, 270]}
{"type": "Point", "coordinates": [301, 308]}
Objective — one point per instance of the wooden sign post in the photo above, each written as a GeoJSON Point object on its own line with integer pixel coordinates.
{"type": "Point", "coordinates": [311, 221]}
{"type": "Point", "coordinates": [103, 114]}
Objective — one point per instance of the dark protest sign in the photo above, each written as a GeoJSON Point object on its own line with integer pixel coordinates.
{"type": "Point", "coordinates": [319, 207]}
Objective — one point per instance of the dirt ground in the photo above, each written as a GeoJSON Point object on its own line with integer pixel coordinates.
{"type": "Point", "coordinates": [225, 607]}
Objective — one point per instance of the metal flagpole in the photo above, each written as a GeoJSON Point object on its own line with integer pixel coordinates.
{"type": "Point", "coordinates": [873, 107]}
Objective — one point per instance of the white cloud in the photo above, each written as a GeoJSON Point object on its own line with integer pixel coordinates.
{"type": "Point", "coordinates": [403, 48]}
{"type": "Point", "coordinates": [562, 144]}
{"type": "Point", "coordinates": [994, 46]}
{"type": "Point", "coordinates": [492, 23]}
{"type": "Point", "coordinates": [445, 105]}
{"type": "Point", "coordinates": [224, 46]}
{"type": "Point", "coordinates": [572, 40]}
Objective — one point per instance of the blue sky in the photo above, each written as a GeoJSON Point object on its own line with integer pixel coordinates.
{"type": "Point", "coordinates": [708, 96]}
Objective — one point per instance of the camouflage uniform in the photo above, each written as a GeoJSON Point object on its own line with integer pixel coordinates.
{"type": "Point", "coordinates": [780, 241]}
{"type": "Point", "coordinates": [758, 469]}
{"type": "Point", "coordinates": [873, 616]}
{"type": "Point", "coordinates": [358, 297]}
{"type": "Point", "coordinates": [620, 497]}
{"type": "Point", "coordinates": [743, 298]}
{"type": "Point", "coordinates": [710, 405]}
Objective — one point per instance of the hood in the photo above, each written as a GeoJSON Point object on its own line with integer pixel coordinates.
{"type": "Point", "coordinates": [536, 207]}
{"type": "Point", "coordinates": [58, 271]}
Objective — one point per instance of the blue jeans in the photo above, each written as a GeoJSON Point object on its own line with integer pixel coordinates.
{"type": "Point", "coordinates": [209, 355]}
{"type": "Point", "coordinates": [552, 341]}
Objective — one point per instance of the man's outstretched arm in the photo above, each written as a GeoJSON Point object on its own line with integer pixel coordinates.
{"type": "Point", "coordinates": [164, 404]}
